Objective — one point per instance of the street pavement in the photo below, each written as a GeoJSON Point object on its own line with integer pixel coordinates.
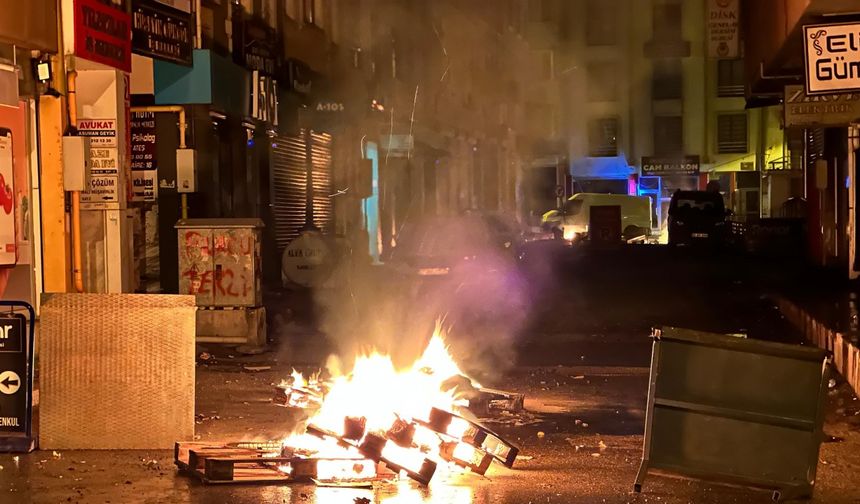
{"type": "Point", "coordinates": [581, 356]}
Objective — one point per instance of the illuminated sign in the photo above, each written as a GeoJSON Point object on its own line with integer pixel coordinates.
{"type": "Point", "coordinates": [832, 57]}
{"type": "Point", "coordinates": [681, 165]}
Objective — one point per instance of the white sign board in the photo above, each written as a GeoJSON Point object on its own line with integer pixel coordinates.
{"type": "Point", "coordinates": [307, 260]}
{"type": "Point", "coordinates": [8, 250]}
{"type": "Point", "coordinates": [832, 54]}
{"type": "Point", "coordinates": [723, 28]}
{"type": "Point", "coordinates": [144, 186]}
{"type": "Point", "coordinates": [104, 156]}
{"type": "Point", "coordinates": [103, 189]}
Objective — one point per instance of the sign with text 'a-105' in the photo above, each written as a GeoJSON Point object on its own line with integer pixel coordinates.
{"type": "Point", "coordinates": [832, 56]}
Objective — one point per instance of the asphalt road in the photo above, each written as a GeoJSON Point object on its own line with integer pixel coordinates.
{"type": "Point", "coordinates": [579, 350]}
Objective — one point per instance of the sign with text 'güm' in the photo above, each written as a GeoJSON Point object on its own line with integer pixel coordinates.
{"type": "Point", "coordinates": [832, 54]}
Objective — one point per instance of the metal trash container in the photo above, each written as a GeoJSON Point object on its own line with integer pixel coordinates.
{"type": "Point", "coordinates": [735, 410]}
{"type": "Point", "coordinates": [219, 263]}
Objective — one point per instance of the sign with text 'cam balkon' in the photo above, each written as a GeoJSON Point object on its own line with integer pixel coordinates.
{"type": "Point", "coordinates": [832, 57]}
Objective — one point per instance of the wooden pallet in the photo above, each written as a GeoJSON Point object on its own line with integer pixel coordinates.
{"type": "Point", "coordinates": [236, 463]}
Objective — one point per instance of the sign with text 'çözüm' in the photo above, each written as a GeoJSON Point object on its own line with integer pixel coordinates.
{"type": "Point", "coordinates": [832, 57]}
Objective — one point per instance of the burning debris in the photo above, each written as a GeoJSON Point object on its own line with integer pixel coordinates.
{"type": "Point", "coordinates": [374, 423]}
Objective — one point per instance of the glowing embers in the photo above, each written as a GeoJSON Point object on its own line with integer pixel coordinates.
{"type": "Point", "coordinates": [298, 392]}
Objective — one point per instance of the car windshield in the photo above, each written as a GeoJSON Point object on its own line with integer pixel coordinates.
{"type": "Point", "coordinates": [573, 207]}
{"type": "Point", "coordinates": [704, 203]}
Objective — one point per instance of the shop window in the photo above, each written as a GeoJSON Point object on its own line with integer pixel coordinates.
{"type": "Point", "coordinates": [668, 135]}
{"type": "Point", "coordinates": [732, 133]}
{"type": "Point", "coordinates": [667, 81]}
{"type": "Point", "coordinates": [601, 25]}
{"type": "Point", "coordinates": [603, 137]}
{"type": "Point", "coordinates": [730, 77]}
{"type": "Point", "coordinates": [602, 82]}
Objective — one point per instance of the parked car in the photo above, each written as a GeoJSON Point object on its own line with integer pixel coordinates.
{"type": "Point", "coordinates": [697, 217]}
{"type": "Point", "coordinates": [437, 246]}
{"type": "Point", "coordinates": [572, 222]}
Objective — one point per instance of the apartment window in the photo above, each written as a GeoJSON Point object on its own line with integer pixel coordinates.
{"type": "Point", "coordinates": [668, 81]}
{"type": "Point", "coordinates": [294, 9]}
{"type": "Point", "coordinates": [603, 137]}
{"type": "Point", "coordinates": [730, 77]}
{"type": "Point", "coordinates": [601, 25]}
{"type": "Point", "coordinates": [732, 133]}
{"type": "Point", "coordinates": [668, 135]}
{"type": "Point", "coordinates": [544, 64]}
{"type": "Point", "coordinates": [538, 10]}
{"type": "Point", "coordinates": [667, 21]}
{"type": "Point", "coordinates": [602, 82]}
{"type": "Point", "coordinates": [308, 11]}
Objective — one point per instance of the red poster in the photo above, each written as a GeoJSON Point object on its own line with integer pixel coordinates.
{"type": "Point", "coordinates": [103, 34]}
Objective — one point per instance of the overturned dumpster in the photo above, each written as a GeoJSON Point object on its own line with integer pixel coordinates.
{"type": "Point", "coordinates": [734, 410]}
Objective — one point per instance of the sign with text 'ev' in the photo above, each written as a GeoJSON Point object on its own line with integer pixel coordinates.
{"type": "Point", "coordinates": [832, 55]}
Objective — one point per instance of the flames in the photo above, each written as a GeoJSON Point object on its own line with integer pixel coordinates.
{"type": "Point", "coordinates": [380, 395]}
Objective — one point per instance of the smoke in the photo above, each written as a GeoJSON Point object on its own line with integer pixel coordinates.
{"type": "Point", "coordinates": [482, 300]}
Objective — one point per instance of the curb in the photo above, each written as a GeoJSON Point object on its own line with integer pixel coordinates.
{"type": "Point", "coordinates": [846, 355]}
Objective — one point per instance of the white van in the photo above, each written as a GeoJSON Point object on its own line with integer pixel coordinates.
{"type": "Point", "coordinates": [573, 222]}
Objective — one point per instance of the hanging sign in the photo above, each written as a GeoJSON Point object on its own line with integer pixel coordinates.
{"type": "Point", "coordinates": [161, 32]}
{"type": "Point", "coordinates": [723, 28]}
{"type": "Point", "coordinates": [103, 34]}
{"type": "Point", "coordinates": [832, 57]}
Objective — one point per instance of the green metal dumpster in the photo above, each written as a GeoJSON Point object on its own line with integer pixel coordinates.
{"type": "Point", "coordinates": [734, 410]}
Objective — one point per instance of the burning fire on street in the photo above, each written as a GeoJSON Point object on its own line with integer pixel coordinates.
{"type": "Point", "coordinates": [376, 422]}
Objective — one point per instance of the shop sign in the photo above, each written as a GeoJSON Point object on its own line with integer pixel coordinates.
{"type": "Point", "coordinates": [307, 260]}
{"type": "Point", "coordinates": [264, 98]}
{"type": "Point", "coordinates": [832, 58]}
{"type": "Point", "coordinates": [260, 47]}
{"type": "Point", "coordinates": [103, 34]}
{"type": "Point", "coordinates": [681, 165]}
{"type": "Point", "coordinates": [8, 248]}
{"type": "Point", "coordinates": [723, 28]}
{"type": "Point", "coordinates": [143, 186]}
{"type": "Point", "coordinates": [13, 373]}
{"type": "Point", "coordinates": [820, 110]}
{"type": "Point", "coordinates": [104, 158]}
{"type": "Point", "coordinates": [143, 148]}
{"type": "Point", "coordinates": [161, 32]}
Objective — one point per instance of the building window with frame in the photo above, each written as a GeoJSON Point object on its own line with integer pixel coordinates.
{"type": "Point", "coordinates": [667, 81]}
{"type": "Point", "coordinates": [668, 135]}
{"type": "Point", "coordinates": [730, 77]}
{"type": "Point", "coordinates": [732, 133]}
{"type": "Point", "coordinates": [308, 11]}
{"type": "Point", "coordinates": [602, 82]}
{"type": "Point", "coordinates": [667, 21]}
{"type": "Point", "coordinates": [603, 137]}
{"type": "Point", "coordinates": [601, 22]}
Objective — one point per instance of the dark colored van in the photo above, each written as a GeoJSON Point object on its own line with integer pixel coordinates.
{"type": "Point", "coordinates": [697, 217]}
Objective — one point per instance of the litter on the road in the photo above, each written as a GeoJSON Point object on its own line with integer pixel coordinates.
{"type": "Point", "coordinates": [257, 368]}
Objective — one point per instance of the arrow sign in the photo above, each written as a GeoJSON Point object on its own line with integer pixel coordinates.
{"type": "Point", "coordinates": [10, 382]}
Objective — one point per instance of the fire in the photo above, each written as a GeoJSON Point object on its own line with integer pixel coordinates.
{"type": "Point", "coordinates": [383, 395]}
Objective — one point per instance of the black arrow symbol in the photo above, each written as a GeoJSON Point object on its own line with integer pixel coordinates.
{"type": "Point", "coordinates": [8, 382]}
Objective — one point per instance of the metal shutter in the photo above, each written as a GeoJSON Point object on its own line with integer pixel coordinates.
{"type": "Point", "coordinates": [288, 185]}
